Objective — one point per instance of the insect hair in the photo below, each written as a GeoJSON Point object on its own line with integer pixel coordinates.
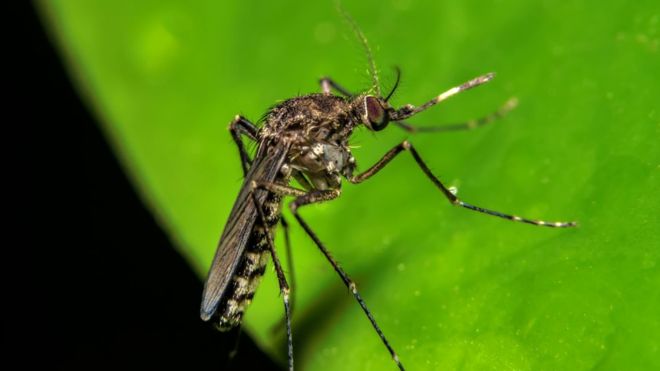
{"type": "Point", "coordinates": [365, 45]}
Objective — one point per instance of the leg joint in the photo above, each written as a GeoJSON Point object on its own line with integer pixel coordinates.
{"type": "Point", "coordinates": [353, 287]}
{"type": "Point", "coordinates": [234, 122]}
{"type": "Point", "coordinates": [293, 206]}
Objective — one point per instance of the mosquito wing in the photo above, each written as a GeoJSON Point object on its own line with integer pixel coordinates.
{"type": "Point", "coordinates": [265, 167]}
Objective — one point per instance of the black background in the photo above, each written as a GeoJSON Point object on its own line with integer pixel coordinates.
{"type": "Point", "coordinates": [101, 286]}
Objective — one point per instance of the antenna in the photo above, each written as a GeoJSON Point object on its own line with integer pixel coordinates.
{"type": "Point", "coordinates": [363, 40]}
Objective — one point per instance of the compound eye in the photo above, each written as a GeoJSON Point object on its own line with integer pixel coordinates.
{"type": "Point", "coordinates": [376, 116]}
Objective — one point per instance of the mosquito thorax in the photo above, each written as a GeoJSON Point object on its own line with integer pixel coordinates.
{"type": "Point", "coordinates": [311, 118]}
{"type": "Point", "coordinates": [316, 128]}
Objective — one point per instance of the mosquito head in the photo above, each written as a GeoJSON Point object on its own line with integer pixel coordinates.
{"type": "Point", "coordinates": [375, 112]}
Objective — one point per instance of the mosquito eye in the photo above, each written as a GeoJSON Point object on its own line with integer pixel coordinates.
{"type": "Point", "coordinates": [376, 117]}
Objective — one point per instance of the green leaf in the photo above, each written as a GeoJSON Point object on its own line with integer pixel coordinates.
{"type": "Point", "coordinates": [451, 289]}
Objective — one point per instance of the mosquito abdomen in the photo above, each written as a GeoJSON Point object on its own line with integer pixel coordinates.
{"type": "Point", "coordinates": [250, 270]}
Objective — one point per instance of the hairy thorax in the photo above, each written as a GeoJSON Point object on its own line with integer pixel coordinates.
{"type": "Point", "coordinates": [316, 128]}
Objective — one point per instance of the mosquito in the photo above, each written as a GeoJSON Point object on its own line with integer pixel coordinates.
{"type": "Point", "coordinates": [306, 138]}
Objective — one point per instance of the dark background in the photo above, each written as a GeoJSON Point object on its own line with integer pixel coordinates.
{"type": "Point", "coordinates": [102, 287]}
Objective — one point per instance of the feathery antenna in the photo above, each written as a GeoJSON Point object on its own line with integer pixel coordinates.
{"type": "Point", "coordinates": [363, 40]}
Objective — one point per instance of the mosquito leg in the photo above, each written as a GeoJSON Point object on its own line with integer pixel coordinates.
{"type": "Point", "coordinates": [242, 126]}
{"type": "Point", "coordinates": [297, 175]}
{"type": "Point", "coordinates": [467, 125]}
{"type": "Point", "coordinates": [316, 196]}
{"type": "Point", "coordinates": [281, 278]}
{"type": "Point", "coordinates": [283, 190]}
{"type": "Point", "coordinates": [289, 259]}
{"type": "Point", "coordinates": [292, 276]}
{"type": "Point", "coordinates": [234, 350]}
{"type": "Point", "coordinates": [406, 146]}
{"type": "Point", "coordinates": [327, 84]}
{"type": "Point", "coordinates": [280, 189]}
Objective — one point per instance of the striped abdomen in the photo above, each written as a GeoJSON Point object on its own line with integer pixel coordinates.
{"type": "Point", "coordinates": [248, 274]}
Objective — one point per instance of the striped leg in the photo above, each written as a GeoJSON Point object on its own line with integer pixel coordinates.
{"type": "Point", "coordinates": [410, 110]}
{"type": "Point", "coordinates": [406, 146]}
{"type": "Point", "coordinates": [292, 277]}
{"type": "Point", "coordinates": [317, 196]}
{"type": "Point", "coordinates": [281, 278]}
{"type": "Point", "coordinates": [467, 125]}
